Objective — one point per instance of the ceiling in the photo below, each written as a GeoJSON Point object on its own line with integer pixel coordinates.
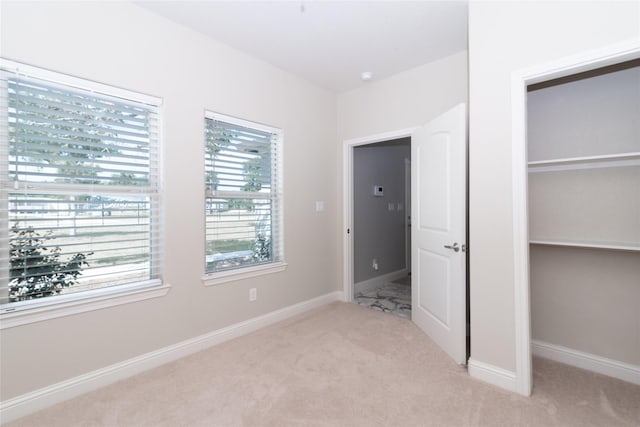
{"type": "Point", "coordinates": [329, 43]}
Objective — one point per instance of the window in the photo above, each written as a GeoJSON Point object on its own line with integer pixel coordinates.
{"type": "Point", "coordinates": [79, 188]}
{"type": "Point", "coordinates": [243, 195]}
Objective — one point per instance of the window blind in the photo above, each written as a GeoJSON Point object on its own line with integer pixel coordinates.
{"type": "Point", "coordinates": [79, 177]}
{"type": "Point", "coordinates": [243, 197]}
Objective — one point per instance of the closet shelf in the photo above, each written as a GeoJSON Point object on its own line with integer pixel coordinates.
{"type": "Point", "coordinates": [587, 162]}
{"type": "Point", "coordinates": [590, 245]}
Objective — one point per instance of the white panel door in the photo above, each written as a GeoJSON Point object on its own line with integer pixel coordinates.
{"type": "Point", "coordinates": [438, 190]}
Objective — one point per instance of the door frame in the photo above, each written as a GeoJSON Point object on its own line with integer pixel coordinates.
{"type": "Point", "coordinates": [609, 55]}
{"type": "Point", "coordinates": [347, 199]}
{"type": "Point", "coordinates": [407, 214]}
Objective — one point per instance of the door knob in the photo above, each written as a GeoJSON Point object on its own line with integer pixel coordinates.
{"type": "Point", "coordinates": [454, 247]}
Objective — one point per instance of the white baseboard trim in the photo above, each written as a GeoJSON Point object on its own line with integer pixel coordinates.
{"type": "Point", "coordinates": [590, 362]}
{"type": "Point", "coordinates": [376, 282]}
{"type": "Point", "coordinates": [29, 403]}
{"type": "Point", "coordinates": [492, 375]}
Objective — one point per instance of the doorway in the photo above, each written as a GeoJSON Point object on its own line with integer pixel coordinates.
{"type": "Point", "coordinates": [348, 202]}
{"type": "Point", "coordinates": [438, 226]}
{"type": "Point", "coordinates": [381, 216]}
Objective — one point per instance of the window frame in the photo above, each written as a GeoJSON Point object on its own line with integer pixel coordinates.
{"type": "Point", "coordinates": [277, 197]}
{"type": "Point", "coordinates": [39, 309]}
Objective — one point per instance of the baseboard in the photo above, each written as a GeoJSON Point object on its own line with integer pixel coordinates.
{"type": "Point", "coordinates": [492, 375]}
{"type": "Point", "coordinates": [591, 362]}
{"type": "Point", "coordinates": [28, 403]}
{"type": "Point", "coordinates": [376, 282]}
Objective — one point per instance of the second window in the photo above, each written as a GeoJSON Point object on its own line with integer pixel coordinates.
{"type": "Point", "coordinates": [243, 199]}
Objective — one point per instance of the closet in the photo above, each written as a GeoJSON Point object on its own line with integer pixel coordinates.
{"type": "Point", "coordinates": [583, 142]}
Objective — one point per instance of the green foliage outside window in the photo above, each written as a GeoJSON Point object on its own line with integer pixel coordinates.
{"type": "Point", "coordinates": [36, 268]}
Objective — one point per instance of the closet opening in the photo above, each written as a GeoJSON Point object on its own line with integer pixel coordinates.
{"type": "Point", "coordinates": [583, 210]}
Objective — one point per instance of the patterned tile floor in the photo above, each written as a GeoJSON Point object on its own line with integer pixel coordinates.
{"type": "Point", "coordinates": [393, 297]}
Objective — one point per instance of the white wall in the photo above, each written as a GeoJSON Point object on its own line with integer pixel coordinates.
{"type": "Point", "coordinates": [587, 300]}
{"type": "Point", "coordinates": [121, 44]}
{"type": "Point", "coordinates": [505, 37]}
{"type": "Point", "coordinates": [411, 98]}
{"type": "Point", "coordinates": [591, 116]}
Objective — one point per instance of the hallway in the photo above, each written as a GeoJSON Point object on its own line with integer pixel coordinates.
{"type": "Point", "coordinates": [392, 297]}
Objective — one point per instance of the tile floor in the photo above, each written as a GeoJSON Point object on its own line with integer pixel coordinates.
{"type": "Point", "coordinates": [393, 297]}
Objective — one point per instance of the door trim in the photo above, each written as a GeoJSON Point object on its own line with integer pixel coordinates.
{"type": "Point", "coordinates": [347, 199]}
{"type": "Point", "coordinates": [407, 214]}
{"type": "Point", "coordinates": [520, 79]}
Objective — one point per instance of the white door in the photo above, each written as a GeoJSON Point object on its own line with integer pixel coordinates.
{"type": "Point", "coordinates": [438, 223]}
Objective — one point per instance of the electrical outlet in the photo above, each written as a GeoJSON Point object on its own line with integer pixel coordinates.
{"type": "Point", "coordinates": [253, 294]}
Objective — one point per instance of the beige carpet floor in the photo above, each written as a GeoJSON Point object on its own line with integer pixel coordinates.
{"type": "Point", "coordinates": [341, 365]}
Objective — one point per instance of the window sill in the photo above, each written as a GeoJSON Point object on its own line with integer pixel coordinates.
{"type": "Point", "coordinates": [65, 305]}
{"type": "Point", "coordinates": [242, 273]}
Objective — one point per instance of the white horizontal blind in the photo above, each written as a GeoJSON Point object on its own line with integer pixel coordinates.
{"type": "Point", "coordinates": [79, 177]}
{"type": "Point", "coordinates": [242, 193]}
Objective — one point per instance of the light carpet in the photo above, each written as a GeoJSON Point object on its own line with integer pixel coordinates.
{"type": "Point", "coordinates": [341, 365]}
